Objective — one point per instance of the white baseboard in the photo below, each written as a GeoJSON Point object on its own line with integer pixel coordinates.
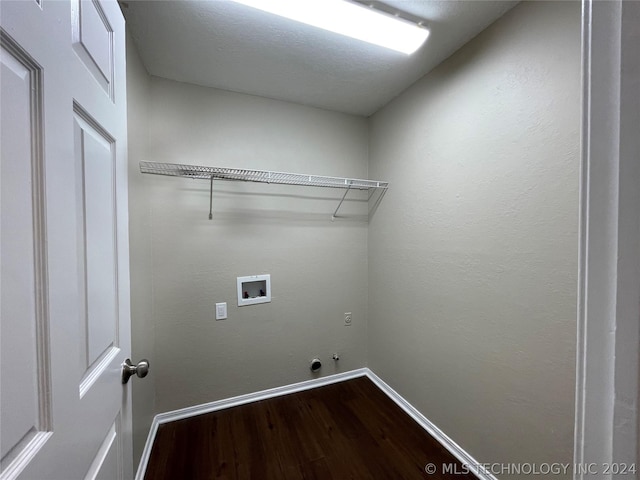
{"type": "Point", "coordinates": [146, 452]}
{"type": "Point", "coordinates": [455, 449]}
{"type": "Point", "coordinates": [434, 431]}
{"type": "Point", "coordinates": [234, 402]}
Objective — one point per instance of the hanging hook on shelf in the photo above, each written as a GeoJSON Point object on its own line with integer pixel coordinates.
{"type": "Point", "coordinates": [211, 199]}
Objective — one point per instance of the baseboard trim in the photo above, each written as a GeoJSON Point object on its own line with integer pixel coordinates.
{"type": "Point", "coordinates": [456, 450]}
{"type": "Point", "coordinates": [146, 452]}
{"type": "Point", "coordinates": [257, 396]}
{"type": "Point", "coordinates": [183, 413]}
{"type": "Point", "coordinates": [423, 421]}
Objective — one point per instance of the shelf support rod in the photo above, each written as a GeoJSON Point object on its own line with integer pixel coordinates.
{"type": "Point", "coordinates": [211, 199]}
{"type": "Point", "coordinates": [333, 217]}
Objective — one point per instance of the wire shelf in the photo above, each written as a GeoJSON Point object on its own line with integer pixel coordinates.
{"type": "Point", "coordinates": [260, 176]}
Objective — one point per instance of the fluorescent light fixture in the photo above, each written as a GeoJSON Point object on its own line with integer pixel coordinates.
{"type": "Point", "coordinates": [350, 19]}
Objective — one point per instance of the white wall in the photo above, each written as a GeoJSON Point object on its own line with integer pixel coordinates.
{"type": "Point", "coordinates": [473, 251]}
{"type": "Point", "coordinates": [142, 327]}
{"type": "Point", "coordinates": [318, 267]}
{"type": "Point", "coordinates": [467, 268]}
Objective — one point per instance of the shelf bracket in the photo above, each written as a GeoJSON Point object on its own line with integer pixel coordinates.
{"type": "Point", "coordinates": [211, 199]}
{"type": "Point", "coordinates": [333, 217]}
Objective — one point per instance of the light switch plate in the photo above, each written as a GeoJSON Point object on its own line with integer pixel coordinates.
{"type": "Point", "coordinates": [221, 311]}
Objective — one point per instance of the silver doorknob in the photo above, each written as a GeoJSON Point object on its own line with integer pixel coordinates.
{"type": "Point", "coordinates": [129, 369]}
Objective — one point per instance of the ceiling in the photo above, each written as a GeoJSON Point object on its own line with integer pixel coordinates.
{"type": "Point", "coordinates": [221, 44]}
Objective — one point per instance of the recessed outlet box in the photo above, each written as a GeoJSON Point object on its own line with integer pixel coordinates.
{"type": "Point", "coordinates": [254, 289]}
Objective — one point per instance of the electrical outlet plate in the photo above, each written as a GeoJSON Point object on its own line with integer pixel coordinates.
{"type": "Point", "coordinates": [347, 319]}
{"type": "Point", "coordinates": [221, 311]}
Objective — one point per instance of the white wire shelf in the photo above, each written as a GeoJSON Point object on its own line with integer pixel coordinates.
{"type": "Point", "coordinates": [261, 176]}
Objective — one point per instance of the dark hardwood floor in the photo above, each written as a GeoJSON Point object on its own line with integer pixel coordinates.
{"type": "Point", "coordinates": [348, 430]}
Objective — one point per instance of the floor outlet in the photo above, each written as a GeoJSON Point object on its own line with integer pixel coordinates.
{"type": "Point", "coordinates": [347, 319]}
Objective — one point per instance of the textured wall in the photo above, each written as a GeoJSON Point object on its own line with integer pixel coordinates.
{"type": "Point", "coordinates": [318, 267]}
{"type": "Point", "coordinates": [473, 252]}
{"type": "Point", "coordinates": [142, 328]}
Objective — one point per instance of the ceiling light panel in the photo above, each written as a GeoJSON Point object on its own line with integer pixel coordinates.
{"type": "Point", "coordinates": [349, 19]}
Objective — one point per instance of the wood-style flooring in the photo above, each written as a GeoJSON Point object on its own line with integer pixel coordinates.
{"type": "Point", "coordinates": [347, 430]}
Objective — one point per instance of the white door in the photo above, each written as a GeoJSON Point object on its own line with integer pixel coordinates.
{"type": "Point", "coordinates": [65, 331]}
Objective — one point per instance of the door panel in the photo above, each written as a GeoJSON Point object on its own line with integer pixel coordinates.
{"type": "Point", "coordinates": [93, 41]}
{"type": "Point", "coordinates": [106, 464]}
{"type": "Point", "coordinates": [25, 401]}
{"type": "Point", "coordinates": [95, 152]}
{"type": "Point", "coordinates": [18, 265]}
{"type": "Point", "coordinates": [65, 328]}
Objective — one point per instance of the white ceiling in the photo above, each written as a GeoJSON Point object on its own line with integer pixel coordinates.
{"type": "Point", "coordinates": [219, 43]}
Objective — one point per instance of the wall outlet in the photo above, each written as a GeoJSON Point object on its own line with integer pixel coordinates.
{"type": "Point", "coordinates": [347, 319]}
{"type": "Point", "coordinates": [221, 311]}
